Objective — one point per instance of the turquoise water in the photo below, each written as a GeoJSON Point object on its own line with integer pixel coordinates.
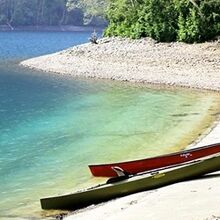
{"type": "Point", "coordinates": [52, 127]}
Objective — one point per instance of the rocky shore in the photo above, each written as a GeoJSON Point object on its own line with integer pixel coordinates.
{"type": "Point", "coordinates": [145, 60]}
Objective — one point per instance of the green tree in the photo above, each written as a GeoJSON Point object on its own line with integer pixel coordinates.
{"type": "Point", "coordinates": [49, 12]}
{"type": "Point", "coordinates": [122, 16]}
{"type": "Point", "coordinates": [91, 8]}
{"type": "Point", "coordinates": [164, 20]}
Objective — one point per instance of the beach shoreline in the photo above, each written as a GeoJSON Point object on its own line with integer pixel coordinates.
{"type": "Point", "coordinates": [146, 61]}
{"type": "Point", "coordinates": [192, 200]}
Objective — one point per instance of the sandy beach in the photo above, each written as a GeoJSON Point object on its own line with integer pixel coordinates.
{"type": "Point", "coordinates": [146, 61]}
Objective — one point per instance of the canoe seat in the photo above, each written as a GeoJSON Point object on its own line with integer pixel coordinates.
{"type": "Point", "coordinates": [121, 175]}
{"type": "Point", "coordinates": [116, 179]}
{"type": "Point", "coordinates": [120, 172]}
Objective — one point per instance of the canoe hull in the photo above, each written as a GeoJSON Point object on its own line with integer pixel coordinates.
{"type": "Point", "coordinates": [137, 183]}
{"type": "Point", "coordinates": [137, 166]}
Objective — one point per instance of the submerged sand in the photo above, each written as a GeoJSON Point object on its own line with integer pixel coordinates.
{"type": "Point", "coordinates": [179, 64]}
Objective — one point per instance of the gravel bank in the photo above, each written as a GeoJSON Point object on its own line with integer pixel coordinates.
{"type": "Point", "coordinates": [180, 64]}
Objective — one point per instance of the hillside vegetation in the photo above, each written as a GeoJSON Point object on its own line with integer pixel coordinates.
{"type": "Point", "coordinates": [52, 12]}
{"type": "Point", "coordinates": [164, 20]}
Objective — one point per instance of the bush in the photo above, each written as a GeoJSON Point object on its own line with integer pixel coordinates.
{"type": "Point", "coordinates": [164, 20]}
{"type": "Point", "coordinates": [189, 29]}
{"type": "Point", "coordinates": [211, 11]}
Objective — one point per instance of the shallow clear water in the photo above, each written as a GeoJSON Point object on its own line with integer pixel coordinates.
{"type": "Point", "coordinates": [52, 127]}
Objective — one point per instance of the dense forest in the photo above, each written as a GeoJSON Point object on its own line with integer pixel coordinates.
{"type": "Point", "coordinates": [52, 12]}
{"type": "Point", "coordinates": [165, 20]}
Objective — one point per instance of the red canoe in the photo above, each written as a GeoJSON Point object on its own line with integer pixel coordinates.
{"type": "Point", "coordinates": [137, 166]}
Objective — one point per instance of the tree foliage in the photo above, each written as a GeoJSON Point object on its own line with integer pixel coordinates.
{"type": "Point", "coordinates": [50, 12]}
{"type": "Point", "coordinates": [91, 8]}
{"type": "Point", "coordinates": [164, 20]}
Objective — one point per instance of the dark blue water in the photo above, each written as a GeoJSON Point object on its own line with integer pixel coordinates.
{"type": "Point", "coordinates": [28, 44]}
{"type": "Point", "coordinates": [52, 127]}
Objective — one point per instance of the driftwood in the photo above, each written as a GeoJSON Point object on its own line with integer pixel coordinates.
{"type": "Point", "coordinates": [93, 39]}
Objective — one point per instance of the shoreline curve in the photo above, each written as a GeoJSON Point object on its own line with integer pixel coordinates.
{"type": "Point", "coordinates": [146, 61]}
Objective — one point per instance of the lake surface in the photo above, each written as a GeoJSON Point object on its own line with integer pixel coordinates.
{"type": "Point", "coordinates": [52, 127]}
